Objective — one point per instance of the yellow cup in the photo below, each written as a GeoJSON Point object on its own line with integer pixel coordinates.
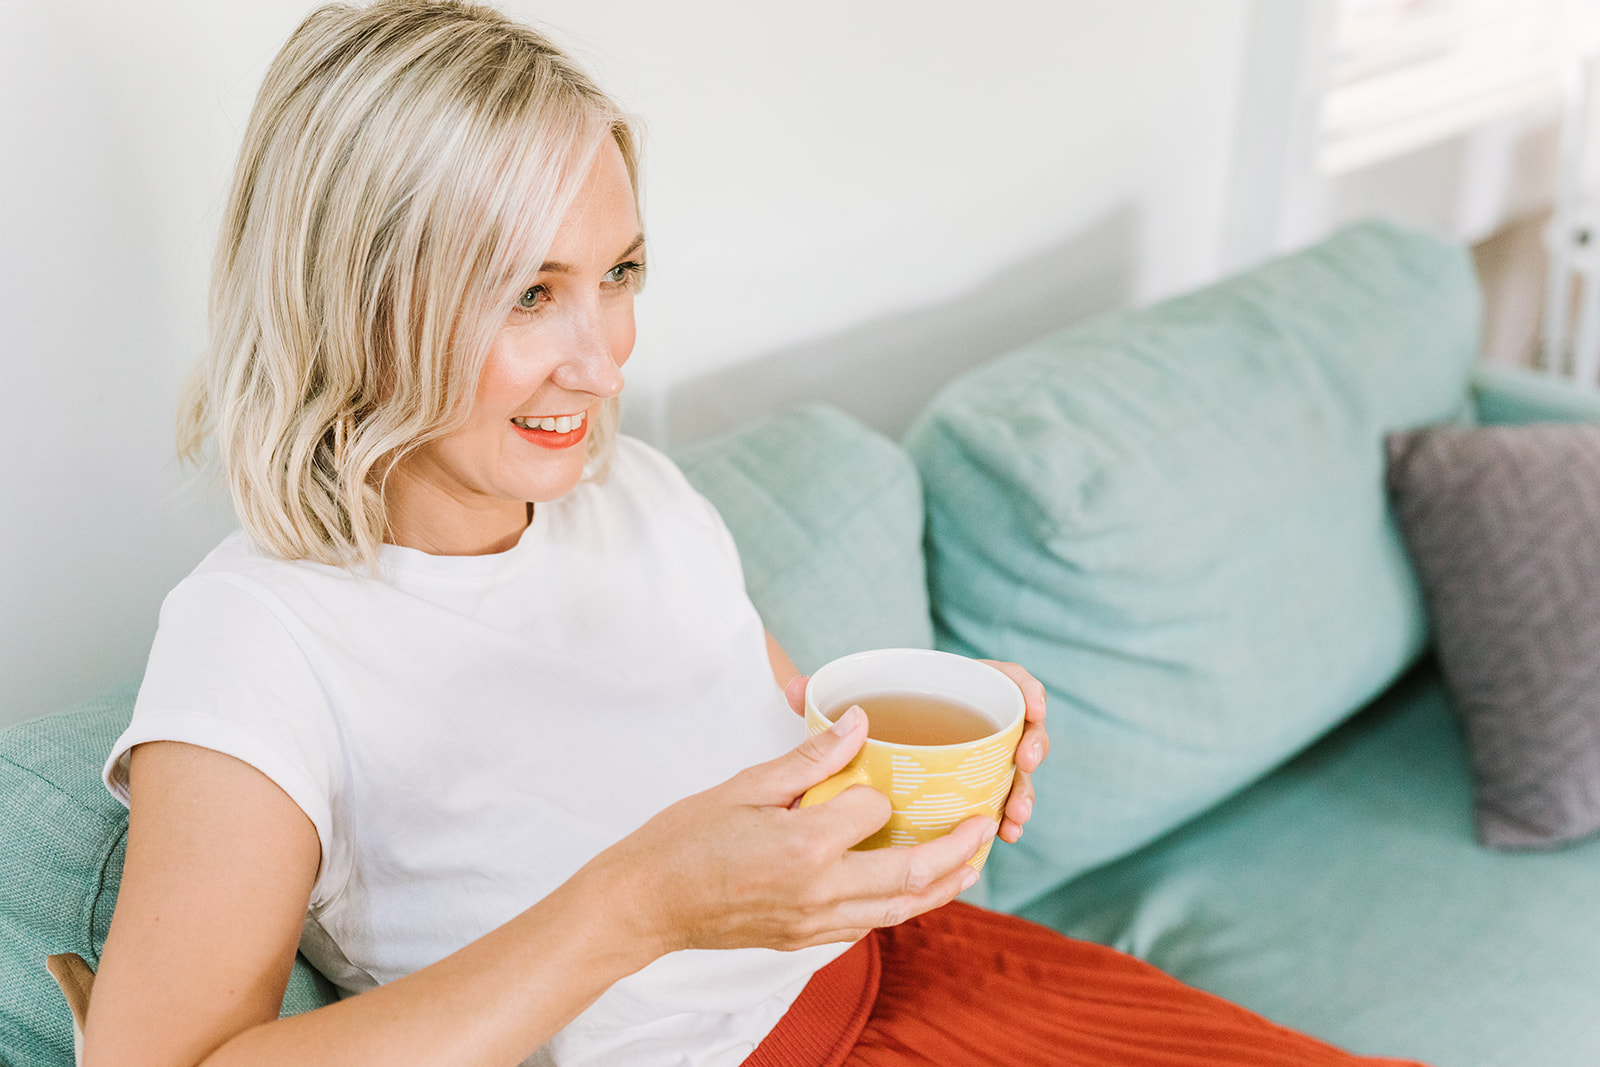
{"type": "Point", "coordinates": [932, 788]}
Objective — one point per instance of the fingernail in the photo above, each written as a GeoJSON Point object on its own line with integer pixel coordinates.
{"type": "Point", "coordinates": [1036, 750]}
{"type": "Point", "coordinates": [1027, 807]}
{"type": "Point", "coordinates": [969, 879]}
{"type": "Point", "coordinates": [848, 720]}
{"type": "Point", "coordinates": [990, 830]}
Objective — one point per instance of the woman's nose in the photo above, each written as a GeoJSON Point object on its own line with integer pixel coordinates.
{"type": "Point", "coordinates": [593, 364]}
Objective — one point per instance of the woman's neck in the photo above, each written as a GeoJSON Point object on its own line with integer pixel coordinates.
{"type": "Point", "coordinates": [422, 517]}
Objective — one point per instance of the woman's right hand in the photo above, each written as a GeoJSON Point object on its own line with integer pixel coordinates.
{"type": "Point", "coordinates": [740, 866]}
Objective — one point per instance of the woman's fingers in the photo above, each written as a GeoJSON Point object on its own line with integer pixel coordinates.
{"type": "Point", "coordinates": [782, 781]}
{"type": "Point", "coordinates": [846, 819]}
{"type": "Point", "coordinates": [1018, 809]}
{"type": "Point", "coordinates": [868, 914]}
{"type": "Point", "coordinates": [887, 873]}
{"type": "Point", "coordinates": [794, 691]}
{"type": "Point", "coordinates": [761, 873]}
{"type": "Point", "coordinates": [887, 886]}
{"type": "Point", "coordinates": [1033, 747]}
{"type": "Point", "coordinates": [1032, 691]}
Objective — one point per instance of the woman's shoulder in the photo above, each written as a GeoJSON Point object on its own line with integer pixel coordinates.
{"type": "Point", "coordinates": [239, 561]}
{"type": "Point", "coordinates": [239, 589]}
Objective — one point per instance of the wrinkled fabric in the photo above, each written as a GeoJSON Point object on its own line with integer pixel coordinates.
{"type": "Point", "coordinates": [964, 987]}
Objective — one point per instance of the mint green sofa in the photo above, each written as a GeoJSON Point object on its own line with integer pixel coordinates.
{"type": "Point", "coordinates": [1175, 518]}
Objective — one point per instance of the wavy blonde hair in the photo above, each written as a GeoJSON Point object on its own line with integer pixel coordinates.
{"type": "Point", "coordinates": [403, 173]}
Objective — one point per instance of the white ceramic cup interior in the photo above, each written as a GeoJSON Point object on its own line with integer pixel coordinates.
{"type": "Point", "coordinates": [916, 670]}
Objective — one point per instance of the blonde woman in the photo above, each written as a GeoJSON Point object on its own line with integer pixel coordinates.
{"type": "Point", "coordinates": [386, 722]}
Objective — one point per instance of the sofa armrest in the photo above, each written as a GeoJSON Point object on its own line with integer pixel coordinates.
{"type": "Point", "coordinates": [1514, 395]}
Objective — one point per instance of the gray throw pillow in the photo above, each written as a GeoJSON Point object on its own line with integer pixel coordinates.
{"type": "Point", "coordinates": [1503, 525]}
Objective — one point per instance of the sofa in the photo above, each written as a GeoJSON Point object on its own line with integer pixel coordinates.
{"type": "Point", "coordinates": [1176, 518]}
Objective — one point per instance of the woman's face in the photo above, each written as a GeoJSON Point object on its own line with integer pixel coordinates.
{"type": "Point", "coordinates": [557, 355]}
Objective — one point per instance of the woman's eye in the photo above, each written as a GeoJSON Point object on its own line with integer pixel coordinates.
{"type": "Point", "coordinates": [532, 297]}
{"type": "Point", "coordinates": [625, 273]}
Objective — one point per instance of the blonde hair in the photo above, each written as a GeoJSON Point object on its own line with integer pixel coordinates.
{"type": "Point", "coordinates": [403, 173]}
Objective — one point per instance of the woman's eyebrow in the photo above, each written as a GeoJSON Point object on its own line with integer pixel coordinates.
{"type": "Point", "coordinates": [551, 266]}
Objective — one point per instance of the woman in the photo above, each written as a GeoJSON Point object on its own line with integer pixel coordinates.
{"type": "Point", "coordinates": [451, 712]}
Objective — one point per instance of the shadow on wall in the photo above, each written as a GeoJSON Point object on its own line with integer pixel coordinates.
{"type": "Point", "coordinates": [885, 371]}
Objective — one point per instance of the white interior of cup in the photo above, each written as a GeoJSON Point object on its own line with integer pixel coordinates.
{"type": "Point", "coordinates": [916, 670]}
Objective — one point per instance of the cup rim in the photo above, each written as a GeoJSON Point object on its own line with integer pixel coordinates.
{"type": "Point", "coordinates": [911, 653]}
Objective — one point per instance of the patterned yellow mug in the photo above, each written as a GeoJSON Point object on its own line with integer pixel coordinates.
{"type": "Point", "coordinates": [931, 787]}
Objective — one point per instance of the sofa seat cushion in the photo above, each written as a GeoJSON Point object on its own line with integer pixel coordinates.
{"type": "Point", "coordinates": [1175, 518]}
{"type": "Point", "coordinates": [62, 838]}
{"type": "Point", "coordinates": [1345, 895]}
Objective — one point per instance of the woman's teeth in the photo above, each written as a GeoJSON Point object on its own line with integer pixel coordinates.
{"type": "Point", "coordinates": [559, 424]}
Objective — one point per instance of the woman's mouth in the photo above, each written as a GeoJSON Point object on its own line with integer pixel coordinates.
{"type": "Point", "coordinates": [552, 431]}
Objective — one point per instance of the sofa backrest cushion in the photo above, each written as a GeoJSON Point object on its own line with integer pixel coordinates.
{"type": "Point", "coordinates": [62, 838]}
{"type": "Point", "coordinates": [827, 515]}
{"type": "Point", "coordinates": [1175, 518]}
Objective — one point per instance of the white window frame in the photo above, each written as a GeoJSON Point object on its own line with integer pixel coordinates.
{"type": "Point", "coordinates": [1299, 135]}
{"type": "Point", "coordinates": [1404, 74]}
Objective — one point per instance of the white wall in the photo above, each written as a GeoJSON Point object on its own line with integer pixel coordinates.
{"type": "Point", "coordinates": [845, 200]}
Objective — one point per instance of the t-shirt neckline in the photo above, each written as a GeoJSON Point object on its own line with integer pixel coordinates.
{"type": "Point", "coordinates": [400, 562]}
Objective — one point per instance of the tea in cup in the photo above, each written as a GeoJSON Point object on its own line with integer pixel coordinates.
{"type": "Point", "coordinates": [942, 733]}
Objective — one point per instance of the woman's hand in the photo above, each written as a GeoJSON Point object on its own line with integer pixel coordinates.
{"type": "Point", "coordinates": [740, 866]}
{"type": "Point", "coordinates": [1033, 747]}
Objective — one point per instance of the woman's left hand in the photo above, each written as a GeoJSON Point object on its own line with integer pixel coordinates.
{"type": "Point", "coordinates": [1031, 750]}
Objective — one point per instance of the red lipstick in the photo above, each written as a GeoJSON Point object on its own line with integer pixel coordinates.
{"type": "Point", "coordinates": [552, 440]}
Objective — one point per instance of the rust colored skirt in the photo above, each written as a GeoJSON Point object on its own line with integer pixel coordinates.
{"type": "Point", "coordinates": [964, 987]}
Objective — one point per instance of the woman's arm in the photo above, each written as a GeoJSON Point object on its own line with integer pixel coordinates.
{"type": "Point", "coordinates": [783, 668]}
{"type": "Point", "coordinates": [220, 866]}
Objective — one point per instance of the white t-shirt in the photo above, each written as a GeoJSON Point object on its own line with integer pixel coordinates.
{"type": "Point", "coordinates": [468, 731]}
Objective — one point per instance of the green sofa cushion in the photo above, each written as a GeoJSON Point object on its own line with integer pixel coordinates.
{"type": "Point", "coordinates": [827, 515]}
{"type": "Point", "coordinates": [1175, 518]}
{"type": "Point", "coordinates": [60, 867]}
{"type": "Point", "coordinates": [1345, 895]}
